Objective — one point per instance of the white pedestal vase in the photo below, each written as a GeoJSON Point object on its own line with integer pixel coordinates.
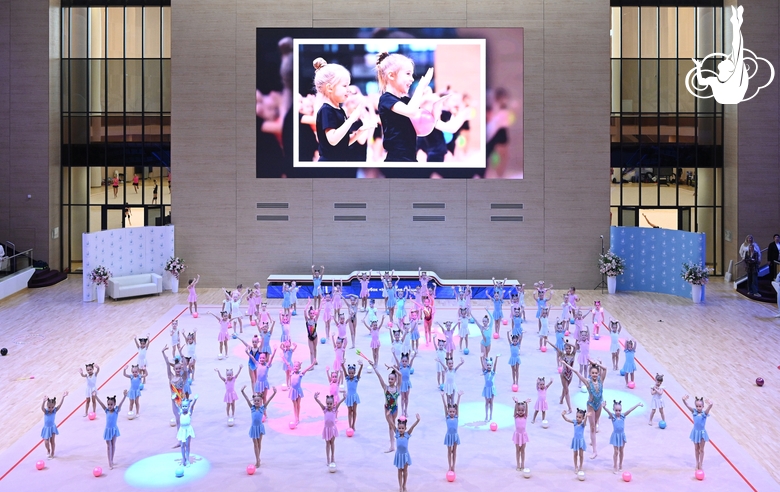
{"type": "Point", "coordinates": [696, 293]}
{"type": "Point", "coordinates": [611, 284]}
{"type": "Point", "coordinates": [174, 284]}
{"type": "Point", "coordinates": [100, 290]}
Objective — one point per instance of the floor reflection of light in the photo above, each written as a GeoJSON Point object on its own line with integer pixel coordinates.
{"type": "Point", "coordinates": [472, 414]}
{"type": "Point", "coordinates": [159, 471]}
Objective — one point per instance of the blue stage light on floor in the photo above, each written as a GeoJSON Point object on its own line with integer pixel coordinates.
{"type": "Point", "coordinates": [159, 471]}
{"type": "Point", "coordinates": [472, 415]}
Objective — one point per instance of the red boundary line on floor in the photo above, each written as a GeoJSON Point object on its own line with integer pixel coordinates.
{"type": "Point", "coordinates": [79, 407]}
{"type": "Point", "coordinates": [687, 414]}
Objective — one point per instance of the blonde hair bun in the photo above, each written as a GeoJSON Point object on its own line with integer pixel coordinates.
{"type": "Point", "coordinates": [319, 63]}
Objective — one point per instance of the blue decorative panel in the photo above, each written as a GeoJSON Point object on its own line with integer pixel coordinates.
{"type": "Point", "coordinates": [654, 258]}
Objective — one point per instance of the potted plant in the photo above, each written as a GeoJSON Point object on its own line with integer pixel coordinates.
{"type": "Point", "coordinates": [697, 275]}
{"type": "Point", "coordinates": [99, 276]}
{"type": "Point", "coordinates": [611, 265]}
{"type": "Point", "coordinates": [175, 266]}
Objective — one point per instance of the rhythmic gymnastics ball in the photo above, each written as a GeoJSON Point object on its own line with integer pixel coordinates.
{"type": "Point", "coordinates": [141, 386]}
{"type": "Point", "coordinates": [527, 472]}
{"type": "Point", "coordinates": [97, 471]}
{"type": "Point", "coordinates": [293, 425]}
{"type": "Point", "coordinates": [505, 322]}
{"type": "Point", "coordinates": [4, 351]}
{"type": "Point", "coordinates": [450, 476]}
{"type": "Point", "coordinates": [234, 336]}
{"type": "Point", "coordinates": [544, 348]}
{"type": "Point", "coordinates": [40, 465]}
{"type": "Point", "coordinates": [250, 469]}
{"type": "Point", "coordinates": [220, 356]}
{"type": "Point", "coordinates": [194, 315]}
{"type": "Point", "coordinates": [622, 372]}
{"type": "Point", "coordinates": [514, 388]}
{"type": "Point", "coordinates": [495, 336]}
{"type": "Point", "coordinates": [596, 336]}
{"type": "Point", "coordinates": [626, 476]}
{"type": "Point", "coordinates": [411, 370]}
{"type": "Point", "coordinates": [423, 122]}
{"type": "Point", "coordinates": [466, 351]}
{"type": "Point", "coordinates": [332, 467]}
{"type": "Point", "coordinates": [583, 389]}
{"type": "Point", "coordinates": [545, 424]}
{"type": "Point", "coordinates": [323, 340]}
{"type": "Point", "coordinates": [173, 422]}
{"type": "Point", "coordinates": [350, 432]}
{"type": "Point", "coordinates": [493, 426]}
{"type": "Point", "coordinates": [179, 472]}
{"type": "Point", "coordinates": [390, 324]}
{"type": "Point", "coordinates": [472, 321]}
{"type": "Point", "coordinates": [560, 369]}
{"type": "Point", "coordinates": [91, 415]}
{"type": "Point", "coordinates": [253, 323]}
{"type": "Point", "coordinates": [566, 333]}
{"type": "Point", "coordinates": [131, 415]}
{"type": "Point", "coordinates": [631, 385]}
{"type": "Point", "coordinates": [662, 424]}
{"type": "Point", "coordinates": [581, 476]}
{"type": "Point", "coordinates": [699, 474]}
{"type": "Point", "coordinates": [441, 387]}
{"type": "Point", "coordinates": [231, 422]}
{"type": "Point", "coordinates": [759, 381]}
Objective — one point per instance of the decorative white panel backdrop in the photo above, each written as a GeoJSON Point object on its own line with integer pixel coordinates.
{"type": "Point", "coordinates": [127, 252]}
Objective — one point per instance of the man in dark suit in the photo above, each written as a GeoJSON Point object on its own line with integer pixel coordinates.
{"type": "Point", "coordinates": [773, 254]}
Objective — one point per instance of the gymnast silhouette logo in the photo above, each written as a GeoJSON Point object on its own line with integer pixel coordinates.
{"type": "Point", "coordinates": [730, 84]}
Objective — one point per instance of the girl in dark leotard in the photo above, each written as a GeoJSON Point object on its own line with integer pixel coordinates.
{"type": "Point", "coordinates": [311, 316]}
{"type": "Point", "coordinates": [595, 387]}
{"type": "Point", "coordinates": [392, 391]}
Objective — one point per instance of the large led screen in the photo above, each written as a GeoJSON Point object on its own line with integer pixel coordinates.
{"type": "Point", "coordinates": [394, 103]}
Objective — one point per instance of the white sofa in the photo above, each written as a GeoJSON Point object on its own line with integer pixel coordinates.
{"type": "Point", "coordinates": [134, 285]}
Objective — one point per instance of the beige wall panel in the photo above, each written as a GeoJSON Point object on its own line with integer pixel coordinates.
{"type": "Point", "coordinates": [433, 13]}
{"type": "Point", "coordinates": [576, 200]}
{"type": "Point", "coordinates": [54, 147]}
{"type": "Point", "coordinates": [501, 13]}
{"type": "Point", "coordinates": [730, 173]}
{"type": "Point", "coordinates": [5, 124]}
{"type": "Point", "coordinates": [204, 122]}
{"type": "Point", "coordinates": [352, 13]}
{"type": "Point", "coordinates": [505, 249]}
{"type": "Point", "coordinates": [437, 246]}
{"type": "Point", "coordinates": [268, 247]}
{"type": "Point", "coordinates": [28, 119]}
{"type": "Point", "coordinates": [346, 246]}
{"type": "Point", "coordinates": [759, 127]}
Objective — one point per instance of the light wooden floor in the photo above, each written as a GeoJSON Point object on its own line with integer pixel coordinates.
{"type": "Point", "coordinates": [716, 349]}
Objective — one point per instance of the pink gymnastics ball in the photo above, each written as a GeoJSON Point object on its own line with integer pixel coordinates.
{"type": "Point", "coordinates": [91, 416]}
{"type": "Point", "coordinates": [250, 469]}
{"type": "Point", "coordinates": [350, 432]}
{"type": "Point", "coordinates": [493, 426]}
{"type": "Point", "coordinates": [506, 322]}
{"type": "Point", "coordinates": [566, 333]}
{"type": "Point", "coordinates": [253, 323]}
{"type": "Point", "coordinates": [544, 348]}
{"type": "Point", "coordinates": [450, 476]}
{"type": "Point", "coordinates": [560, 369]}
{"type": "Point", "coordinates": [626, 476]}
{"type": "Point", "coordinates": [390, 324]}
{"type": "Point", "coordinates": [699, 474]}
{"type": "Point", "coordinates": [631, 385]}
{"type": "Point", "coordinates": [423, 122]}
{"type": "Point", "coordinates": [40, 465]}
{"type": "Point", "coordinates": [514, 388]}
{"type": "Point", "coordinates": [495, 335]}
{"type": "Point", "coordinates": [97, 471]}
{"type": "Point", "coordinates": [194, 315]}
{"type": "Point", "coordinates": [293, 425]}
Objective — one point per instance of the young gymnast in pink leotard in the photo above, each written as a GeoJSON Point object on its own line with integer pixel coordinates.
{"type": "Point", "coordinates": [364, 278]}
{"type": "Point", "coordinates": [230, 390]}
{"type": "Point", "coordinates": [520, 436]}
{"type": "Point", "coordinates": [192, 297]}
{"type": "Point", "coordinates": [374, 328]}
{"type": "Point", "coordinates": [330, 431]}
{"type": "Point", "coordinates": [541, 399]}
{"type": "Point", "coordinates": [223, 336]}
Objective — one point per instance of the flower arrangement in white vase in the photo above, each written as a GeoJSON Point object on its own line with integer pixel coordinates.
{"type": "Point", "coordinates": [697, 275]}
{"type": "Point", "coordinates": [99, 276]}
{"type": "Point", "coordinates": [175, 266]}
{"type": "Point", "coordinates": [611, 265]}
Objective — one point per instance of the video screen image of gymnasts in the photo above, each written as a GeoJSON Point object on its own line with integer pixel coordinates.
{"type": "Point", "coordinates": [389, 103]}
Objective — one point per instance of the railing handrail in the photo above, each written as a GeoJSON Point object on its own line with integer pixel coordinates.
{"type": "Point", "coordinates": [22, 253]}
{"type": "Point", "coordinates": [743, 261]}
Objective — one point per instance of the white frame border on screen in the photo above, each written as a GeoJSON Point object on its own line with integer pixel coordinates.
{"type": "Point", "coordinates": [481, 160]}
